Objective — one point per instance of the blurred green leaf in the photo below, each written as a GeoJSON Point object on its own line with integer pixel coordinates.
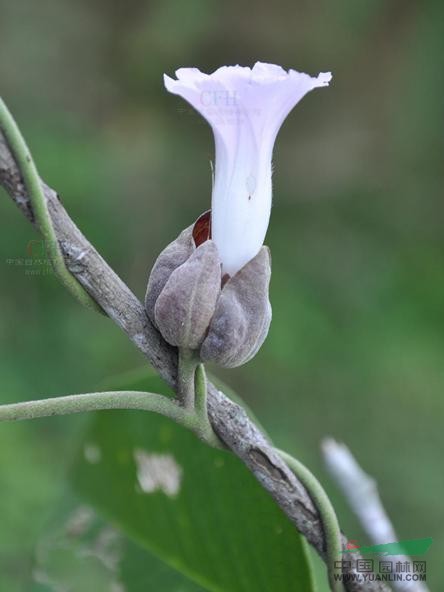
{"type": "Point", "coordinates": [80, 551]}
{"type": "Point", "coordinates": [196, 508]}
{"type": "Point", "coordinates": [141, 571]}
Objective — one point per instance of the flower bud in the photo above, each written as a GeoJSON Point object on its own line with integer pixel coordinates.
{"type": "Point", "coordinates": [224, 320]}
{"type": "Point", "coordinates": [242, 317]}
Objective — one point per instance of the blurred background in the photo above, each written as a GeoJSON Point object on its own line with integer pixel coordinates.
{"type": "Point", "coordinates": [356, 346]}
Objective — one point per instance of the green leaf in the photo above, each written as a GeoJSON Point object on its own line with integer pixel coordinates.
{"type": "Point", "coordinates": [197, 509]}
{"type": "Point", "coordinates": [141, 571]}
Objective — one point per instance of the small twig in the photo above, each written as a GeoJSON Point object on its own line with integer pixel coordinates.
{"type": "Point", "coordinates": [361, 493]}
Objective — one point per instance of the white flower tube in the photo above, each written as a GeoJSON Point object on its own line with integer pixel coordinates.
{"type": "Point", "coordinates": [245, 108]}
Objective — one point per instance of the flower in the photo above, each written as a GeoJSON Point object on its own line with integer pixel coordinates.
{"type": "Point", "coordinates": [245, 108]}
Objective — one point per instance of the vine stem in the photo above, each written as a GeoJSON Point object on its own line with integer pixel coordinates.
{"type": "Point", "coordinates": [98, 401]}
{"type": "Point", "coordinates": [328, 516]}
{"type": "Point", "coordinates": [31, 179]}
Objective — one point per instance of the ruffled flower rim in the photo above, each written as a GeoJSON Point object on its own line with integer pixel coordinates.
{"type": "Point", "coordinates": [261, 74]}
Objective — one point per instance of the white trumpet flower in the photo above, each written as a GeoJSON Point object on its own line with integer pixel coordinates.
{"type": "Point", "coordinates": [245, 108]}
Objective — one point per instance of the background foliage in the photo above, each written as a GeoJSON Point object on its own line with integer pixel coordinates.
{"type": "Point", "coordinates": [357, 342]}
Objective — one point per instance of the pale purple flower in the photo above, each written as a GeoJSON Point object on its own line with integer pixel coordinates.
{"type": "Point", "coordinates": [245, 108]}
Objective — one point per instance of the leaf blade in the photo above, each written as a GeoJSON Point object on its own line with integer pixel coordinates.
{"type": "Point", "coordinates": [196, 508]}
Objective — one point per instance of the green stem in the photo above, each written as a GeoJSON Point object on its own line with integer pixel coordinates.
{"type": "Point", "coordinates": [112, 400]}
{"type": "Point", "coordinates": [201, 387]}
{"type": "Point", "coordinates": [205, 428]}
{"type": "Point", "coordinates": [327, 513]}
{"type": "Point", "coordinates": [95, 402]}
{"type": "Point", "coordinates": [187, 364]}
{"type": "Point", "coordinates": [34, 187]}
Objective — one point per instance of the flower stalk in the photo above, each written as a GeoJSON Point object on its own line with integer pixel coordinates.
{"type": "Point", "coordinates": [187, 364]}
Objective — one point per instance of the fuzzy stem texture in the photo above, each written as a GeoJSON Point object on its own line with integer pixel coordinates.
{"type": "Point", "coordinates": [95, 402]}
